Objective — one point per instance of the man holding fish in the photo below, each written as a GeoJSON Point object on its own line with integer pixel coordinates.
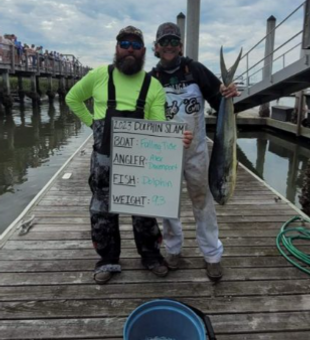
{"type": "Point", "coordinates": [188, 84]}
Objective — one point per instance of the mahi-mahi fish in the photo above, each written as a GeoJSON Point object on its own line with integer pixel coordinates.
{"type": "Point", "coordinates": [223, 163]}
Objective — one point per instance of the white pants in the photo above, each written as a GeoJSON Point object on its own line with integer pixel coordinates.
{"type": "Point", "coordinates": [196, 176]}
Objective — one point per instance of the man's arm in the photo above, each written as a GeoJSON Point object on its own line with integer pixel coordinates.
{"type": "Point", "coordinates": [76, 97]}
{"type": "Point", "coordinates": [211, 87]}
{"type": "Point", "coordinates": [208, 83]}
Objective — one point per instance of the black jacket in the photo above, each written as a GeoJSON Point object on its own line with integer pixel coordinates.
{"type": "Point", "coordinates": [192, 72]}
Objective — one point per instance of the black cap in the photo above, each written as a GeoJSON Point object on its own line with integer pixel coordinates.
{"type": "Point", "coordinates": [130, 30]}
{"type": "Point", "coordinates": [168, 29]}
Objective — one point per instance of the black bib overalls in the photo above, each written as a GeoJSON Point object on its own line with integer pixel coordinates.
{"type": "Point", "coordinates": [105, 226]}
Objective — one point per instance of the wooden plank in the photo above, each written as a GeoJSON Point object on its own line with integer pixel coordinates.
{"type": "Point", "coordinates": [254, 206]}
{"type": "Point", "coordinates": [263, 288]}
{"type": "Point", "coordinates": [158, 290]}
{"type": "Point", "coordinates": [67, 223]}
{"type": "Point", "coordinates": [242, 198]}
{"type": "Point", "coordinates": [128, 264]}
{"type": "Point", "coordinates": [270, 322]}
{"type": "Point", "coordinates": [122, 308]}
{"type": "Point", "coordinates": [78, 174]}
{"type": "Point", "coordinates": [287, 335]}
{"type": "Point", "coordinates": [83, 185]}
{"type": "Point", "coordinates": [111, 291]}
{"type": "Point", "coordinates": [61, 328]}
{"type": "Point", "coordinates": [84, 189]}
{"type": "Point", "coordinates": [246, 202]}
{"type": "Point", "coordinates": [26, 255]}
{"type": "Point", "coordinates": [255, 221]}
{"type": "Point", "coordinates": [51, 234]}
{"type": "Point", "coordinates": [239, 217]}
{"type": "Point", "coordinates": [145, 276]}
{"type": "Point", "coordinates": [231, 241]}
{"type": "Point", "coordinates": [103, 327]}
{"type": "Point", "coordinates": [79, 170]}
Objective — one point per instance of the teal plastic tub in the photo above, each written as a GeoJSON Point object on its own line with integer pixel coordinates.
{"type": "Point", "coordinates": [167, 319]}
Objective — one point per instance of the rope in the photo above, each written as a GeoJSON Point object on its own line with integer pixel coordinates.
{"type": "Point", "coordinates": [285, 241]}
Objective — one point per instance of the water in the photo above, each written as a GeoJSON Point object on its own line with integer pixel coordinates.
{"type": "Point", "coordinates": [277, 158]}
{"type": "Point", "coordinates": [34, 144]}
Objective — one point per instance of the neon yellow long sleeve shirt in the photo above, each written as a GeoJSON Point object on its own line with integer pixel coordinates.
{"type": "Point", "coordinates": [127, 89]}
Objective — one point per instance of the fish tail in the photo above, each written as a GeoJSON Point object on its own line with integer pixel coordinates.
{"type": "Point", "coordinates": [228, 75]}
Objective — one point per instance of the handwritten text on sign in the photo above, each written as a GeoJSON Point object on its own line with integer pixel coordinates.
{"type": "Point", "coordinates": [147, 165]}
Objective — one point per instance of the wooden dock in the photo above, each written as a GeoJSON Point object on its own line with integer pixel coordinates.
{"type": "Point", "coordinates": [43, 65]}
{"type": "Point", "coordinates": [47, 290]}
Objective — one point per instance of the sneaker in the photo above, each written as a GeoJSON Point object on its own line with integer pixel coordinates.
{"type": "Point", "coordinates": [102, 277]}
{"type": "Point", "coordinates": [160, 270]}
{"type": "Point", "coordinates": [173, 261]}
{"type": "Point", "coordinates": [214, 271]}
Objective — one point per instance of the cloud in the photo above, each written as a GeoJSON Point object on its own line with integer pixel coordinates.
{"type": "Point", "coordinates": [88, 29]}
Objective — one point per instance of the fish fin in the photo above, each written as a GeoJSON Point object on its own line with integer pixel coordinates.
{"type": "Point", "coordinates": [228, 75]}
{"type": "Point", "coordinates": [224, 71]}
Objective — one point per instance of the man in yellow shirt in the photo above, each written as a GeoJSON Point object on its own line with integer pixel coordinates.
{"type": "Point", "coordinates": [123, 89]}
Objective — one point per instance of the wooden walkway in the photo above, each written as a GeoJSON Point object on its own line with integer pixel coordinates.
{"type": "Point", "coordinates": [47, 290]}
{"type": "Point", "coordinates": [44, 65]}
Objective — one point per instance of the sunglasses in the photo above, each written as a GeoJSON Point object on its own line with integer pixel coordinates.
{"type": "Point", "coordinates": [136, 45]}
{"type": "Point", "coordinates": [172, 42]}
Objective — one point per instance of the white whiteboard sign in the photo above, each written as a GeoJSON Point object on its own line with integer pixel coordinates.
{"type": "Point", "coordinates": [146, 167]}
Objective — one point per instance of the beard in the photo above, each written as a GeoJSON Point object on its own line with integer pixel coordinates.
{"type": "Point", "coordinates": [129, 66]}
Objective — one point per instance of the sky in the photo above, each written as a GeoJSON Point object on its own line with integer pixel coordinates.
{"type": "Point", "coordinates": [87, 28]}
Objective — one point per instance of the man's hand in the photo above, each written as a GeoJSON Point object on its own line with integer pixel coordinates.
{"type": "Point", "coordinates": [230, 91]}
{"type": "Point", "coordinates": [187, 139]}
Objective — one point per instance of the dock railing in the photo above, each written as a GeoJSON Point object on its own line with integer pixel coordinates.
{"type": "Point", "coordinates": [253, 63]}
{"type": "Point", "coordinates": [13, 60]}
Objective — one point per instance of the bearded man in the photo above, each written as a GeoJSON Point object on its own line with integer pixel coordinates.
{"type": "Point", "coordinates": [123, 89]}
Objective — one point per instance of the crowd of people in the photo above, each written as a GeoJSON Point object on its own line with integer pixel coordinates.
{"type": "Point", "coordinates": [32, 55]}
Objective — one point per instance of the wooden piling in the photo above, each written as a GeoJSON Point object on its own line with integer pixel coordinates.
{"type": "Point", "coordinates": [192, 34]}
{"type": "Point", "coordinates": [61, 89]}
{"type": "Point", "coordinates": [33, 93]}
{"type": "Point", "coordinates": [21, 92]}
{"type": "Point", "coordinates": [181, 24]}
{"type": "Point", "coordinates": [38, 86]}
{"type": "Point", "coordinates": [67, 86]}
{"type": "Point", "coordinates": [6, 98]}
{"type": "Point", "coordinates": [50, 93]}
{"type": "Point", "coordinates": [264, 109]}
{"type": "Point", "coordinates": [304, 198]}
{"type": "Point", "coordinates": [6, 82]}
{"type": "Point", "coordinates": [13, 53]}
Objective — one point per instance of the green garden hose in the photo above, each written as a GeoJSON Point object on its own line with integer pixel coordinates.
{"type": "Point", "coordinates": [285, 240]}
